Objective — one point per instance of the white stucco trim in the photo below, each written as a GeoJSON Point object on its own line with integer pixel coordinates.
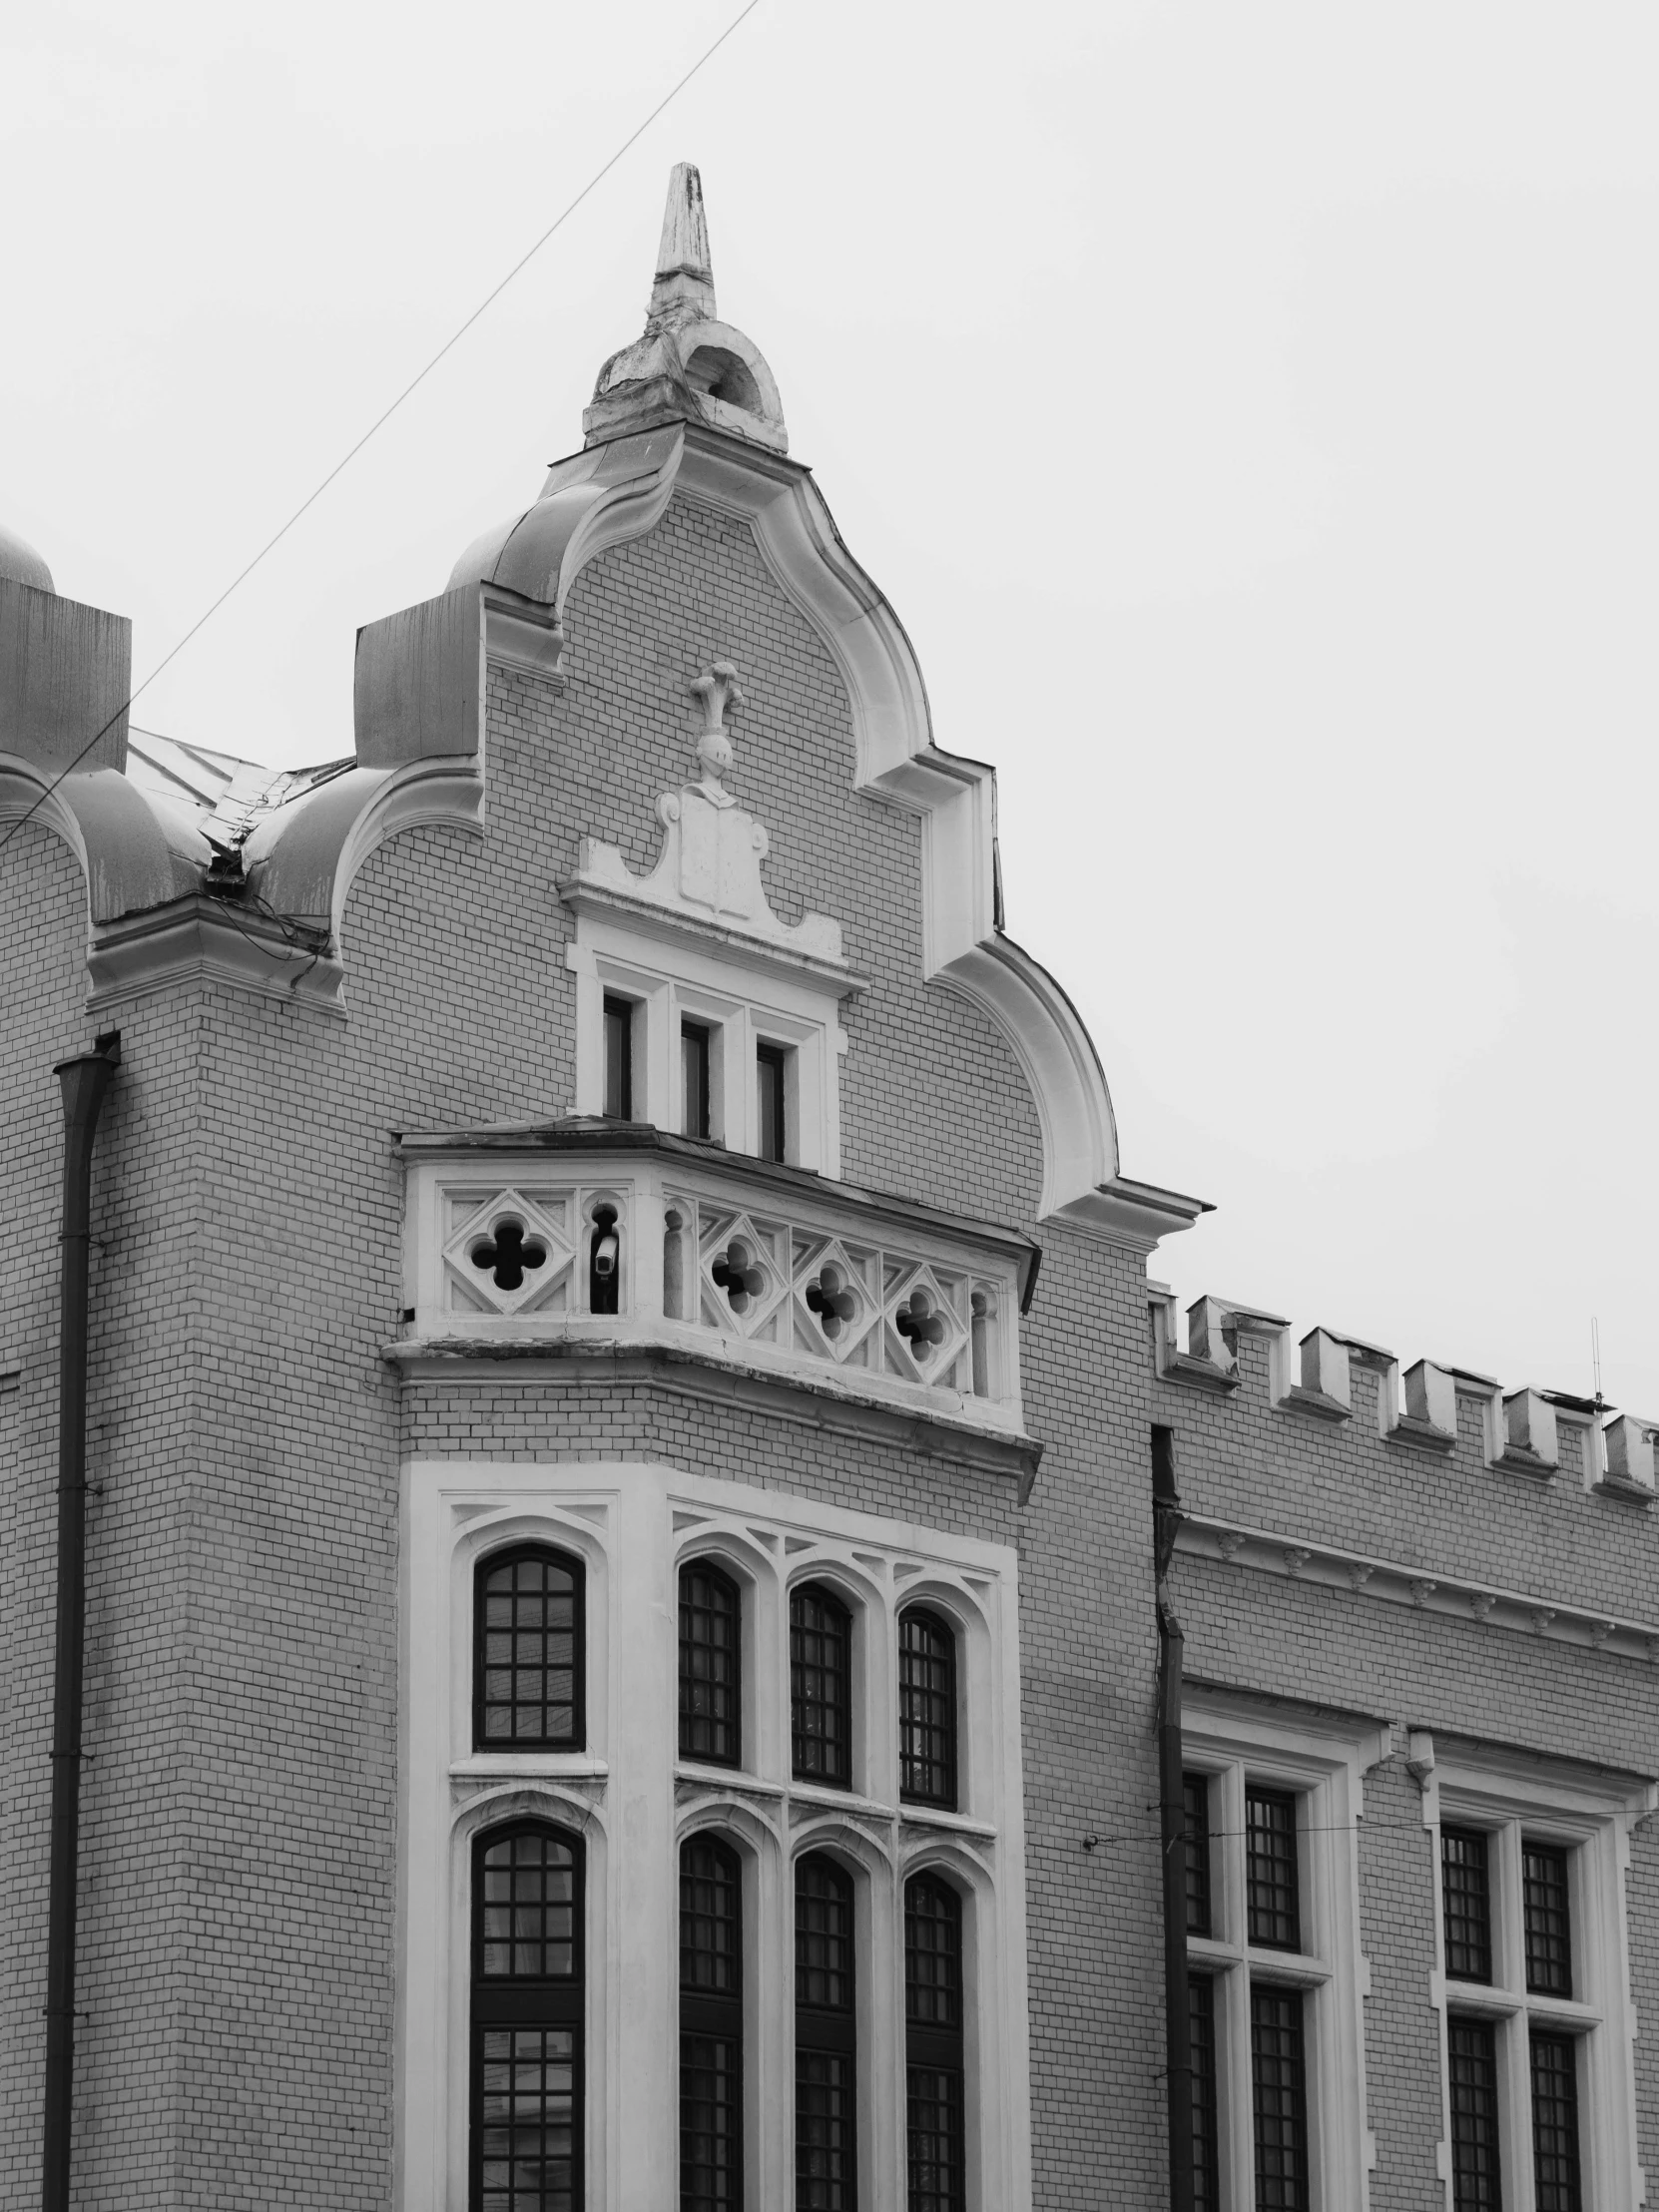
{"type": "Point", "coordinates": [633, 1801]}
{"type": "Point", "coordinates": [1325, 1762]}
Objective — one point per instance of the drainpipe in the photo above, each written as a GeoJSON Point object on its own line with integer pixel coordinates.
{"type": "Point", "coordinates": [1166, 1519]}
{"type": "Point", "coordinates": [83, 1081]}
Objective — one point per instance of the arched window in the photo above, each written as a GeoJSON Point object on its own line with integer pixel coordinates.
{"type": "Point", "coordinates": [711, 1666]}
{"type": "Point", "coordinates": [711, 2027]}
{"type": "Point", "coordinates": [528, 1662]}
{"type": "Point", "coordinates": [933, 2046]}
{"type": "Point", "coordinates": [926, 1709]}
{"type": "Point", "coordinates": [821, 1686]}
{"type": "Point", "coordinates": [825, 2040]}
{"type": "Point", "coordinates": [526, 2019]}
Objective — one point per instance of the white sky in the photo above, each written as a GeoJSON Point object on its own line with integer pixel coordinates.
{"type": "Point", "coordinates": [1249, 411]}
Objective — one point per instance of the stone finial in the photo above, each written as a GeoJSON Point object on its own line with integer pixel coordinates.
{"type": "Point", "coordinates": [684, 289]}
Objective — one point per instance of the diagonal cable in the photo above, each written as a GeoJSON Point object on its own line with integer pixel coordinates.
{"type": "Point", "coordinates": [386, 415]}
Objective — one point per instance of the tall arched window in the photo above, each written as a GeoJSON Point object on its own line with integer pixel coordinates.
{"type": "Point", "coordinates": [933, 2079]}
{"type": "Point", "coordinates": [528, 1660]}
{"type": "Point", "coordinates": [711, 2027]}
{"type": "Point", "coordinates": [821, 1686]}
{"type": "Point", "coordinates": [825, 2040]}
{"type": "Point", "coordinates": [526, 2019]}
{"type": "Point", "coordinates": [711, 1666]}
{"type": "Point", "coordinates": [926, 1707]}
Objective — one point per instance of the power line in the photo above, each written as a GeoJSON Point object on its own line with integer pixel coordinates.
{"type": "Point", "coordinates": [386, 415]}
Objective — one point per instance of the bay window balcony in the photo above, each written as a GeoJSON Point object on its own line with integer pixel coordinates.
{"type": "Point", "coordinates": [603, 1237]}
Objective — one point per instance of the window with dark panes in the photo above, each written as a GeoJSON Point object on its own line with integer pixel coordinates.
{"type": "Point", "coordinates": [1195, 1798]}
{"type": "Point", "coordinates": [1279, 2094]}
{"type": "Point", "coordinates": [934, 2081]}
{"type": "Point", "coordinates": [527, 1668]}
{"type": "Point", "coordinates": [1465, 1903]}
{"type": "Point", "coordinates": [619, 1058]}
{"type": "Point", "coordinates": [1555, 2176]}
{"type": "Point", "coordinates": [1545, 1917]}
{"type": "Point", "coordinates": [1471, 2057]}
{"type": "Point", "coordinates": [526, 2133]}
{"type": "Point", "coordinates": [695, 1054]}
{"type": "Point", "coordinates": [825, 2040]}
{"type": "Point", "coordinates": [821, 1686]}
{"type": "Point", "coordinates": [711, 1666]}
{"type": "Point", "coordinates": [771, 1063]}
{"type": "Point", "coordinates": [711, 2026]}
{"type": "Point", "coordinates": [1201, 2012]}
{"type": "Point", "coordinates": [926, 1707]}
{"type": "Point", "coordinates": [1272, 1888]}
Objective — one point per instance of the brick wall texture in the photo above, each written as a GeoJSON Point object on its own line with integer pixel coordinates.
{"type": "Point", "coordinates": [237, 1943]}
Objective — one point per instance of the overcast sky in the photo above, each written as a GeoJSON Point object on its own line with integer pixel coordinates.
{"type": "Point", "coordinates": [1249, 411]}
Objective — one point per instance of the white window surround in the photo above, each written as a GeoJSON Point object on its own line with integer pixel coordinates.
{"type": "Point", "coordinates": [1511, 1795]}
{"type": "Point", "coordinates": [1323, 1763]}
{"type": "Point", "coordinates": [633, 1802]}
{"type": "Point", "coordinates": [745, 996]}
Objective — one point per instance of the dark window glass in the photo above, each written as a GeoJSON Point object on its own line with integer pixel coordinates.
{"type": "Point", "coordinates": [772, 1061]}
{"type": "Point", "coordinates": [937, 2162]}
{"type": "Point", "coordinates": [926, 1707]}
{"type": "Point", "coordinates": [1472, 2055]}
{"type": "Point", "coordinates": [1279, 2096]}
{"type": "Point", "coordinates": [1555, 2124]}
{"type": "Point", "coordinates": [825, 2055]}
{"type": "Point", "coordinates": [1466, 1903]}
{"type": "Point", "coordinates": [934, 2089]}
{"type": "Point", "coordinates": [1549, 1927]}
{"type": "Point", "coordinates": [619, 1058]}
{"type": "Point", "coordinates": [694, 1073]}
{"type": "Point", "coordinates": [526, 2020]}
{"type": "Point", "coordinates": [527, 1693]}
{"type": "Point", "coordinates": [1195, 1795]}
{"type": "Point", "coordinates": [1201, 2009]}
{"type": "Point", "coordinates": [711, 1663]}
{"type": "Point", "coordinates": [1271, 1869]}
{"type": "Point", "coordinates": [821, 1686]}
{"type": "Point", "coordinates": [711, 2027]}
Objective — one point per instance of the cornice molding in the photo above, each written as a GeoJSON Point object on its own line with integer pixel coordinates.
{"type": "Point", "coordinates": [1418, 1588]}
{"type": "Point", "coordinates": [585, 1366]}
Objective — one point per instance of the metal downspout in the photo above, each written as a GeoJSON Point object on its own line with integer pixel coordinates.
{"type": "Point", "coordinates": [1166, 1519]}
{"type": "Point", "coordinates": [84, 1082]}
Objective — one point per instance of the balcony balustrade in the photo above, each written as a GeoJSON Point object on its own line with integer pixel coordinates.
{"type": "Point", "coordinates": [586, 1234]}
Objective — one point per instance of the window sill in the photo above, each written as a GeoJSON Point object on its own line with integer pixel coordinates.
{"type": "Point", "coordinates": [841, 1801]}
{"type": "Point", "coordinates": [1291, 1968]}
{"type": "Point", "coordinates": [581, 1765]}
{"type": "Point", "coordinates": [1480, 2001]}
{"type": "Point", "coordinates": [726, 1778]}
{"type": "Point", "coordinates": [935, 1815]}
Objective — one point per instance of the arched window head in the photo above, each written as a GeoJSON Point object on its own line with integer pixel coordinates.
{"type": "Point", "coordinates": [527, 2005]}
{"type": "Point", "coordinates": [825, 2039]}
{"type": "Point", "coordinates": [935, 2098]}
{"type": "Point", "coordinates": [529, 1660]}
{"type": "Point", "coordinates": [711, 1666]}
{"type": "Point", "coordinates": [926, 1707]}
{"type": "Point", "coordinates": [821, 1686]}
{"type": "Point", "coordinates": [711, 2026]}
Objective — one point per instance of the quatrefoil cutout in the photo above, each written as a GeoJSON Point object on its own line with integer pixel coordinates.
{"type": "Point", "coordinates": [507, 1255]}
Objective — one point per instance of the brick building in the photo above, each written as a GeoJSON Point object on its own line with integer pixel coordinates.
{"type": "Point", "coordinates": [622, 1657]}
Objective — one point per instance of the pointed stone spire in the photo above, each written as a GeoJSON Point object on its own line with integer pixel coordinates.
{"type": "Point", "coordinates": [684, 287]}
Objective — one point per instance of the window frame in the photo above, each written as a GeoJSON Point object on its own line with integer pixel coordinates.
{"type": "Point", "coordinates": [950, 1800]}
{"type": "Point", "coordinates": [931, 2047]}
{"type": "Point", "coordinates": [717, 1568]}
{"type": "Point", "coordinates": [487, 1564]}
{"type": "Point", "coordinates": [1551, 1803]}
{"type": "Point", "coordinates": [844, 2038]}
{"type": "Point", "coordinates": [620, 1019]}
{"type": "Point", "coordinates": [821, 1587]}
{"type": "Point", "coordinates": [1320, 1761]}
{"type": "Point", "coordinates": [571, 2010]}
{"type": "Point", "coordinates": [721, 2017]}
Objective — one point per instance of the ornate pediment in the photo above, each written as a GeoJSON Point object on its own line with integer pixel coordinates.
{"type": "Point", "coordinates": [707, 874]}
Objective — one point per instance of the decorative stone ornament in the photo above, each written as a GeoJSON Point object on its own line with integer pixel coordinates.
{"type": "Point", "coordinates": [708, 869]}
